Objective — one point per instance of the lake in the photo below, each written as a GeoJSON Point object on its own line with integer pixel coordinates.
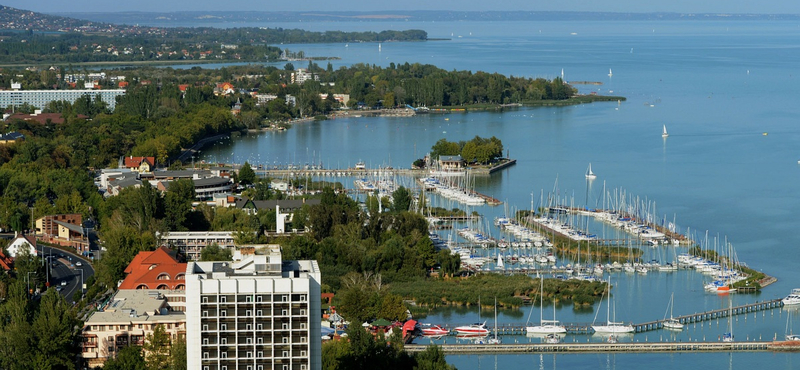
{"type": "Point", "coordinates": [726, 91]}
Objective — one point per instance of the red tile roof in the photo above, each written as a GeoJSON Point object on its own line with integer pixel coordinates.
{"type": "Point", "coordinates": [42, 118]}
{"type": "Point", "coordinates": [5, 262]}
{"type": "Point", "coordinates": [154, 270]}
{"type": "Point", "coordinates": [135, 162]}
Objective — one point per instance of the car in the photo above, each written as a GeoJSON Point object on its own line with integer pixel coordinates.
{"type": "Point", "coordinates": [58, 288]}
{"type": "Point", "coordinates": [63, 283]}
{"type": "Point", "coordinates": [78, 263]}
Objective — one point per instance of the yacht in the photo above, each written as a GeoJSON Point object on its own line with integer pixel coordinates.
{"type": "Point", "coordinates": [792, 298]}
{"type": "Point", "coordinates": [473, 329]}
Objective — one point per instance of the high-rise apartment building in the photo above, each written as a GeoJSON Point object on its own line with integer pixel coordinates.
{"type": "Point", "coordinates": [258, 313]}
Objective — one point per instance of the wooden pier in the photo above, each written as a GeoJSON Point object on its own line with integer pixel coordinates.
{"type": "Point", "coordinates": [712, 315]}
{"type": "Point", "coordinates": [642, 347]}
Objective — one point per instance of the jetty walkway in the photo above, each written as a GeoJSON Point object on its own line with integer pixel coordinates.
{"type": "Point", "coordinates": [607, 347]}
{"type": "Point", "coordinates": [586, 328]}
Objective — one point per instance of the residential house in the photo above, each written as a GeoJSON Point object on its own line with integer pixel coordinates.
{"type": "Point", "coordinates": [11, 137]}
{"type": "Point", "coordinates": [20, 243]}
{"type": "Point", "coordinates": [138, 164]}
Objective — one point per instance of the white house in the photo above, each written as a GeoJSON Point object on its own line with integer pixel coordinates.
{"type": "Point", "coordinates": [21, 242]}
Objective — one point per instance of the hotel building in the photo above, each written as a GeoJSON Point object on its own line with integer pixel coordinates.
{"type": "Point", "coordinates": [258, 313]}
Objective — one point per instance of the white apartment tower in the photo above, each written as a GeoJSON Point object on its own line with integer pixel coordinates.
{"type": "Point", "coordinates": [259, 313]}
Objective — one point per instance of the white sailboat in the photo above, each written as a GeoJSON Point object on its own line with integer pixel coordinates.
{"type": "Point", "coordinates": [671, 323]}
{"type": "Point", "coordinates": [589, 174]}
{"type": "Point", "coordinates": [609, 73]}
{"type": "Point", "coordinates": [790, 336]}
{"type": "Point", "coordinates": [494, 340]}
{"type": "Point", "coordinates": [545, 326]}
{"type": "Point", "coordinates": [664, 133]}
{"type": "Point", "coordinates": [728, 337]}
{"type": "Point", "coordinates": [500, 264]}
{"type": "Point", "coordinates": [612, 326]}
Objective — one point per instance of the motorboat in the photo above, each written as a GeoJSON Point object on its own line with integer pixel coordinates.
{"type": "Point", "coordinates": [792, 298]}
{"type": "Point", "coordinates": [473, 329]}
{"type": "Point", "coordinates": [433, 330]}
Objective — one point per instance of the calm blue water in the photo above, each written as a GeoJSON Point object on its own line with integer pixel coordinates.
{"type": "Point", "coordinates": [718, 86]}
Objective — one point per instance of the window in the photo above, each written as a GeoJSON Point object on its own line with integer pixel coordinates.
{"type": "Point", "coordinates": [302, 297]}
{"type": "Point", "coordinates": [302, 312]}
{"type": "Point", "coordinates": [302, 325]}
{"type": "Point", "coordinates": [285, 326]}
{"type": "Point", "coordinates": [205, 354]}
{"type": "Point", "coordinates": [260, 340]}
{"type": "Point", "coordinates": [205, 313]}
{"type": "Point", "coordinates": [248, 298]}
{"type": "Point", "coordinates": [249, 355]}
{"type": "Point", "coordinates": [284, 312]}
{"type": "Point", "coordinates": [205, 299]}
{"type": "Point", "coordinates": [302, 366]}
{"type": "Point", "coordinates": [248, 313]}
{"type": "Point", "coordinates": [248, 341]}
{"type": "Point", "coordinates": [260, 354]}
{"type": "Point", "coordinates": [302, 353]}
{"type": "Point", "coordinates": [223, 341]}
{"type": "Point", "coordinates": [260, 367]}
{"type": "Point", "coordinates": [224, 367]}
{"type": "Point", "coordinates": [205, 368]}
{"type": "Point", "coordinates": [223, 355]}
{"type": "Point", "coordinates": [285, 340]}
{"type": "Point", "coordinates": [223, 313]}
{"type": "Point", "coordinates": [285, 367]}
{"type": "Point", "coordinates": [205, 327]}
{"type": "Point", "coordinates": [285, 354]}
{"type": "Point", "coordinates": [259, 326]}
{"type": "Point", "coordinates": [205, 340]}
{"type": "Point", "coordinates": [223, 326]}
{"type": "Point", "coordinates": [259, 298]}
{"type": "Point", "coordinates": [223, 299]}
{"type": "Point", "coordinates": [284, 298]}
{"type": "Point", "coordinates": [259, 313]}
{"type": "Point", "coordinates": [248, 327]}
{"type": "Point", "coordinates": [249, 367]}
{"type": "Point", "coordinates": [303, 339]}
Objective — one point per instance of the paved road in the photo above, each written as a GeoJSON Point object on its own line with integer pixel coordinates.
{"type": "Point", "coordinates": [64, 269]}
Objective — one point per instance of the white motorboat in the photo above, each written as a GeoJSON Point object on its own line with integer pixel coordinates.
{"type": "Point", "coordinates": [792, 298]}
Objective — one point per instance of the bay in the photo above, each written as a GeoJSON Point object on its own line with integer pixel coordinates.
{"type": "Point", "coordinates": [727, 92]}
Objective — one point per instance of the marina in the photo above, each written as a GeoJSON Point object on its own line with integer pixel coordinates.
{"type": "Point", "coordinates": [610, 347]}
{"type": "Point", "coordinates": [715, 170]}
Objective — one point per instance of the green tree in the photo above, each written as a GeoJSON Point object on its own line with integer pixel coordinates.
{"type": "Point", "coordinates": [246, 174]}
{"type": "Point", "coordinates": [53, 330]}
{"type": "Point", "coordinates": [178, 355]}
{"type": "Point", "coordinates": [129, 358]}
{"type": "Point", "coordinates": [157, 348]}
{"type": "Point", "coordinates": [432, 359]}
{"type": "Point", "coordinates": [178, 203]}
{"type": "Point", "coordinates": [17, 345]}
{"type": "Point", "coordinates": [214, 252]}
{"type": "Point", "coordinates": [402, 199]}
{"type": "Point", "coordinates": [444, 147]}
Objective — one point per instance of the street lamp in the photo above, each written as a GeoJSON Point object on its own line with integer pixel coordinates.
{"type": "Point", "coordinates": [28, 280]}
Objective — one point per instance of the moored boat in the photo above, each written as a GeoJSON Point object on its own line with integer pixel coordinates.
{"type": "Point", "coordinates": [433, 330]}
{"type": "Point", "coordinates": [792, 298]}
{"type": "Point", "coordinates": [473, 329]}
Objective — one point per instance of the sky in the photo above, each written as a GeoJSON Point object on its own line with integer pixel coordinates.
{"type": "Point", "coordinates": [634, 6]}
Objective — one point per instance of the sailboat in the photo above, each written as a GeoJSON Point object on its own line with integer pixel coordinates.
{"type": "Point", "coordinates": [609, 73]}
{"type": "Point", "coordinates": [589, 174]}
{"type": "Point", "coordinates": [789, 335]}
{"type": "Point", "coordinates": [672, 323]}
{"type": "Point", "coordinates": [545, 326]}
{"type": "Point", "coordinates": [500, 264]}
{"type": "Point", "coordinates": [664, 133]}
{"type": "Point", "coordinates": [494, 340]}
{"type": "Point", "coordinates": [728, 337]}
{"type": "Point", "coordinates": [611, 326]}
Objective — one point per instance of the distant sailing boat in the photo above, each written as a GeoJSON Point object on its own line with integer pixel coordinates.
{"type": "Point", "coordinates": [589, 174]}
{"type": "Point", "coordinates": [500, 264]}
{"type": "Point", "coordinates": [672, 323]}
{"type": "Point", "coordinates": [665, 134]}
{"type": "Point", "coordinates": [609, 73]}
